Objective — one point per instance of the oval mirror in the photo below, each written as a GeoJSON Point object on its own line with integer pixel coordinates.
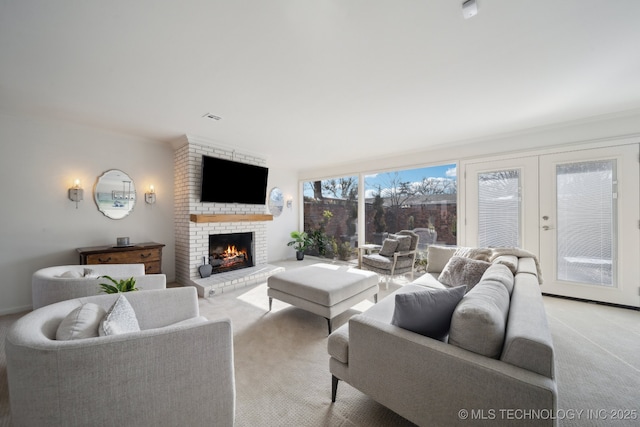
{"type": "Point", "coordinates": [276, 201]}
{"type": "Point", "coordinates": [115, 194]}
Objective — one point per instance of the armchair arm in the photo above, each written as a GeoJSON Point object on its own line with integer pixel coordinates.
{"type": "Point", "coordinates": [404, 253]}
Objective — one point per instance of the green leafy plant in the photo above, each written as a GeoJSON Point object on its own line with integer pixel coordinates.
{"type": "Point", "coordinates": [344, 251]}
{"type": "Point", "coordinates": [301, 241]}
{"type": "Point", "coordinates": [122, 285]}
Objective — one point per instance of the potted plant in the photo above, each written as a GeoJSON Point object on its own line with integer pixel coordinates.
{"type": "Point", "coordinates": [301, 241]}
{"type": "Point", "coordinates": [122, 285]}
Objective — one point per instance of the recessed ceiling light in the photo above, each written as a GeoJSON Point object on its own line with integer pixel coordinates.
{"type": "Point", "coordinates": [212, 116]}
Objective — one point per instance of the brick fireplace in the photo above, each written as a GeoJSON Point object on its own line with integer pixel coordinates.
{"type": "Point", "coordinates": [195, 222]}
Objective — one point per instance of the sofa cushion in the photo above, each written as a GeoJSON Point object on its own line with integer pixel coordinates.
{"type": "Point", "coordinates": [500, 273]}
{"type": "Point", "coordinates": [463, 271]}
{"type": "Point", "coordinates": [479, 322]}
{"type": "Point", "coordinates": [120, 319]}
{"type": "Point", "coordinates": [429, 280]}
{"type": "Point", "coordinates": [427, 312]}
{"type": "Point", "coordinates": [82, 322]}
{"type": "Point", "coordinates": [510, 261]}
{"type": "Point", "coordinates": [389, 246]}
{"type": "Point", "coordinates": [438, 257]}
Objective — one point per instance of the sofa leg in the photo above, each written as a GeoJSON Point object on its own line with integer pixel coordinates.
{"type": "Point", "coordinates": [375, 298]}
{"type": "Point", "coordinates": [329, 325]}
{"type": "Point", "coordinates": [334, 387]}
{"type": "Point", "coordinates": [270, 302]}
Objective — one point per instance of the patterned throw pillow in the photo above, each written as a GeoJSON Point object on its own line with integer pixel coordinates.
{"type": "Point", "coordinates": [120, 319]}
{"type": "Point", "coordinates": [404, 242]}
{"type": "Point", "coordinates": [389, 246]}
{"type": "Point", "coordinates": [463, 271]}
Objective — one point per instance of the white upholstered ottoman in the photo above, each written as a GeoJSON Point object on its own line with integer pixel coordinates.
{"type": "Point", "coordinates": [323, 289]}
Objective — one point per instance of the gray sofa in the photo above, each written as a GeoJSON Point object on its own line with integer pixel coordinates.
{"type": "Point", "coordinates": [177, 370]}
{"type": "Point", "coordinates": [496, 362]}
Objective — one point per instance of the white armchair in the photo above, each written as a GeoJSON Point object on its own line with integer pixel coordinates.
{"type": "Point", "coordinates": [63, 282]}
{"type": "Point", "coordinates": [177, 370]}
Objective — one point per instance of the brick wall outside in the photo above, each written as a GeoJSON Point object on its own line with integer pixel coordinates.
{"type": "Point", "coordinates": [441, 215]}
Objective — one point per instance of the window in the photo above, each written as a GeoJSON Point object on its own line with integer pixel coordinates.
{"type": "Point", "coordinates": [423, 200]}
{"type": "Point", "coordinates": [586, 228]}
{"type": "Point", "coordinates": [331, 216]}
{"type": "Point", "coordinates": [499, 208]}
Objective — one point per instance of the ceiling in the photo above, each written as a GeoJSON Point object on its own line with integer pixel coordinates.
{"type": "Point", "coordinates": [311, 83]}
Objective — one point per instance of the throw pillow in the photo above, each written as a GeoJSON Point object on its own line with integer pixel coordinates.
{"type": "Point", "coordinates": [427, 312]}
{"type": "Point", "coordinates": [120, 319]}
{"type": "Point", "coordinates": [389, 246]}
{"type": "Point", "coordinates": [482, 254]}
{"type": "Point", "coordinates": [404, 242]}
{"type": "Point", "coordinates": [438, 256]}
{"type": "Point", "coordinates": [463, 271]}
{"type": "Point", "coordinates": [89, 273]}
{"type": "Point", "coordinates": [71, 275]}
{"type": "Point", "coordinates": [82, 322]}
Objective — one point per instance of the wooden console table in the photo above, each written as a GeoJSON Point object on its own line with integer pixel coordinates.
{"type": "Point", "coordinates": [149, 254]}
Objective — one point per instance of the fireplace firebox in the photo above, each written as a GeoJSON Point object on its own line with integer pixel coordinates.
{"type": "Point", "coordinates": [231, 251]}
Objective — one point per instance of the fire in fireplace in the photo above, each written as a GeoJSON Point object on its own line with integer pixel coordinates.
{"type": "Point", "coordinates": [231, 251]}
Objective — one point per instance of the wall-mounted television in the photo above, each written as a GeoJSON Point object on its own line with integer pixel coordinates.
{"type": "Point", "coordinates": [228, 181]}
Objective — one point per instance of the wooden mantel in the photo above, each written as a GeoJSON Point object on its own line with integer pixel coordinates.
{"type": "Point", "coordinates": [230, 217]}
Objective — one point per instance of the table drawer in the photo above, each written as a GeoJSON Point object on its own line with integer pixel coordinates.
{"type": "Point", "coordinates": [128, 257]}
{"type": "Point", "coordinates": [153, 267]}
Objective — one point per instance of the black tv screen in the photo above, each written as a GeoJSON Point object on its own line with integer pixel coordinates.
{"type": "Point", "coordinates": [228, 181]}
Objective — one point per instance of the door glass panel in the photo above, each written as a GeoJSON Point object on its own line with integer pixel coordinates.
{"type": "Point", "coordinates": [499, 208]}
{"type": "Point", "coordinates": [586, 205]}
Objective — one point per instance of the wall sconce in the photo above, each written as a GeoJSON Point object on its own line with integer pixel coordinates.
{"type": "Point", "coordinates": [76, 193]}
{"type": "Point", "coordinates": [150, 196]}
{"type": "Point", "coordinates": [289, 202]}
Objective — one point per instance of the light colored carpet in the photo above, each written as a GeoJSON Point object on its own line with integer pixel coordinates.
{"type": "Point", "coordinates": [282, 377]}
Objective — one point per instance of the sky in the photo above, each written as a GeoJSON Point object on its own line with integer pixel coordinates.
{"type": "Point", "coordinates": [407, 175]}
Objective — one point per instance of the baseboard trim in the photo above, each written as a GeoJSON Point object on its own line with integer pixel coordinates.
{"type": "Point", "coordinates": [610, 304]}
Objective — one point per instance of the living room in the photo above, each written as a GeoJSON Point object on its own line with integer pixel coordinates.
{"type": "Point", "coordinates": [67, 111]}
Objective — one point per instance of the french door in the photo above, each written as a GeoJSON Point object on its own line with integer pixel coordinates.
{"type": "Point", "coordinates": [579, 211]}
{"type": "Point", "coordinates": [589, 229]}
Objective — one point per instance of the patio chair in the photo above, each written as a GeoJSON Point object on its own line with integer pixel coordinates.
{"type": "Point", "coordinates": [397, 256]}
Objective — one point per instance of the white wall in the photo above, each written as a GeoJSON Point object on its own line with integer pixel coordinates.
{"type": "Point", "coordinates": [41, 227]}
{"type": "Point", "coordinates": [279, 229]}
{"type": "Point", "coordinates": [565, 134]}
